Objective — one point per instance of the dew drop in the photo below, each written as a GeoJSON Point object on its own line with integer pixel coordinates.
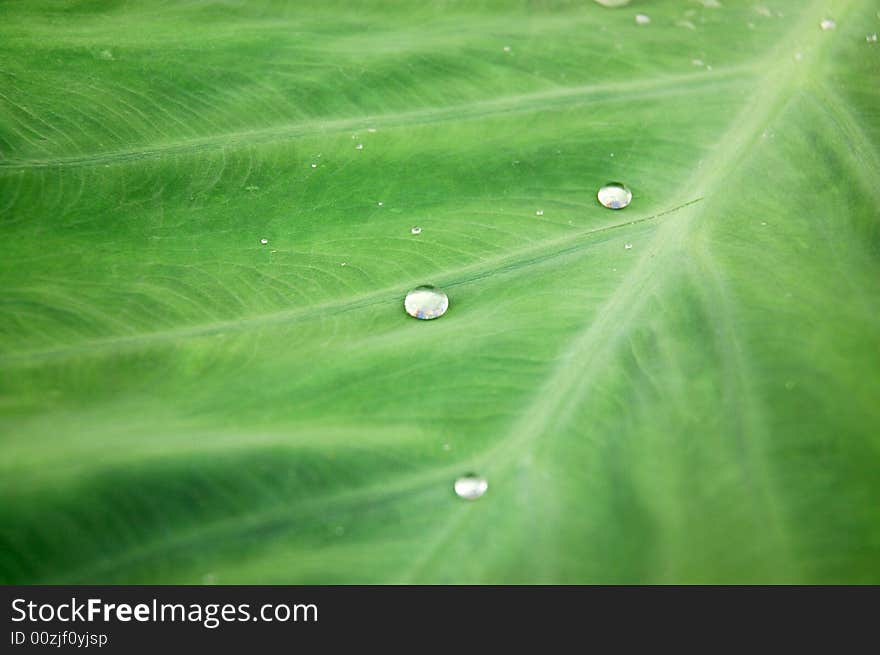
{"type": "Point", "coordinates": [470, 486]}
{"type": "Point", "coordinates": [871, 38]}
{"type": "Point", "coordinates": [642, 19]}
{"type": "Point", "coordinates": [371, 130]}
{"type": "Point", "coordinates": [359, 146]}
{"type": "Point", "coordinates": [540, 212]}
{"type": "Point", "coordinates": [827, 24]}
{"type": "Point", "coordinates": [381, 204]}
{"type": "Point", "coordinates": [416, 230]}
{"type": "Point", "coordinates": [615, 195]}
{"type": "Point", "coordinates": [264, 241]}
{"type": "Point", "coordinates": [314, 166]}
{"type": "Point", "coordinates": [506, 48]}
{"type": "Point", "coordinates": [612, 3]}
{"type": "Point", "coordinates": [426, 302]}
{"type": "Point", "coordinates": [628, 246]}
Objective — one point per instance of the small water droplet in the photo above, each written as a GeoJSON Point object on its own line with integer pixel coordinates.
{"type": "Point", "coordinates": [612, 3]}
{"type": "Point", "coordinates": [416, 230]}
{"type": "Point", "coordinates": [615, 195]}
{"type": "Point", "coordinates": [344, 264]}
{"type": "Point", "coordinates": [314, 166]}
{"type": "Point", "coordinates": [506, 48]}
{"type": "Point", "coordinates": [426, 302]}
{"type": "Point", "coordinates": [252, 188]}
{"type": "Point", "coordinates": [827, 24]}
{"type": "Point", "coordinates": [359, 146]}
{"type": "Point", "coordinates": [371, 130]}
{"type": "Point", "coordinates": [381, 204]}
{"type": "Point", "coordinates": [470, 486]}
{"type": "Point", "coordinates": [628, 246]}
{"type": "Point", "coordinates": [264, 241]}
{"type": "Point", "coordinates": [642, 19]}
{"type": "Point", "coordinates": [871, 38]}
{"type": "Point", "coordinates": [540, 212]}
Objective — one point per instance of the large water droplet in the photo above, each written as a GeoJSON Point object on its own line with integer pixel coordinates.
{"type": "Point", "coordinates": [470, 486]}
{"type": "Point", "coordinates": [615, 195]}
{"type": "Point", "coordinates": [426, 302]}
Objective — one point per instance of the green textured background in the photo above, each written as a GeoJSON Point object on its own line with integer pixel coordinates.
{"type": "Point", "coordinates": [181, 404]}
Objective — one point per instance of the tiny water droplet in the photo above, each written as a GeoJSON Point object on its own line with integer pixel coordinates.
{"type": "Point", "coordinates": [871, 38]}
{"type": "Point", "coordinates": [314, 166]}
{"type": "Point", "coordinates": [381, 204]}
{"type": "Point", "coordinates": [426, 302]}
{"type": "Point", "coordinates": [506, 48]}
{"type": "Point", "coordinates": [359, 146]}
{"type": "Point", "coordinates": [344, 264]}
{"type": "Point", "coordinates": [642, 19]}
{"type": "Point", "coordinates": [371, 130]}
{"type": "Point", "coordinates": [470, 486]}
{"type": "Point", "coordinates": [540, 212]}
{"type": "Point", "coordinates": [264, 241]}
{"type": "Point", "coordinates": [827, 24]}
{"type": "Point", "coordinates": [416, 230]}
{"type": "Point", "coordinates": [612, 3]}
{"type": "Point", "coordinates": [628, 246]}
{"type": "Point", "coordinates": [615, 195]}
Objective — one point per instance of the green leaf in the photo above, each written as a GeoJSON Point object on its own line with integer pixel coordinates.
{"type": "Point", "coordinates": [180, 403]}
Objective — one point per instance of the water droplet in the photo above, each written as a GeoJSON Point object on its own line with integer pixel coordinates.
{"type": "Point", "coordinates": [827, 24]}
{"type": "Point", "coordinates": [344, 264]}
{"type": "Point", "coordinates": [612, 3]}
{"type": "Point", "coordinates": [506, 48]}
{"type": "Point", "coordinates": [540, 212]}
{"type": "Point", "coordinates": [359, 146]}
{"type": "Point", "coordinates": [314, 166]}
{"type": "Point", "coordinates": [628, 246]}
{"type": "Point", "coordinates": [615, 195]}
{"type": "Point", "coordinates": [712, 4]}
{"type": "Point", "coordinates": [871, 38]}
{"type": "Point", "coordinates": [642, 19]}
{"type": "Point", "coordinates": [381, 204]}
{"type": "Point", "coordinates": [371, 130]}
{"type": "Point", "coordinates": [264, 241]}
{"type": "Point", "coordinates": [697, 62]}
{"type": "Point", "coordinates": [251, 187]}
{"type": "Point", "coordinates": [470, 486]}
{"type": "Point", "coordinates": [426, 302]}
{"type": "Point", "coordinates": [416, 230]}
